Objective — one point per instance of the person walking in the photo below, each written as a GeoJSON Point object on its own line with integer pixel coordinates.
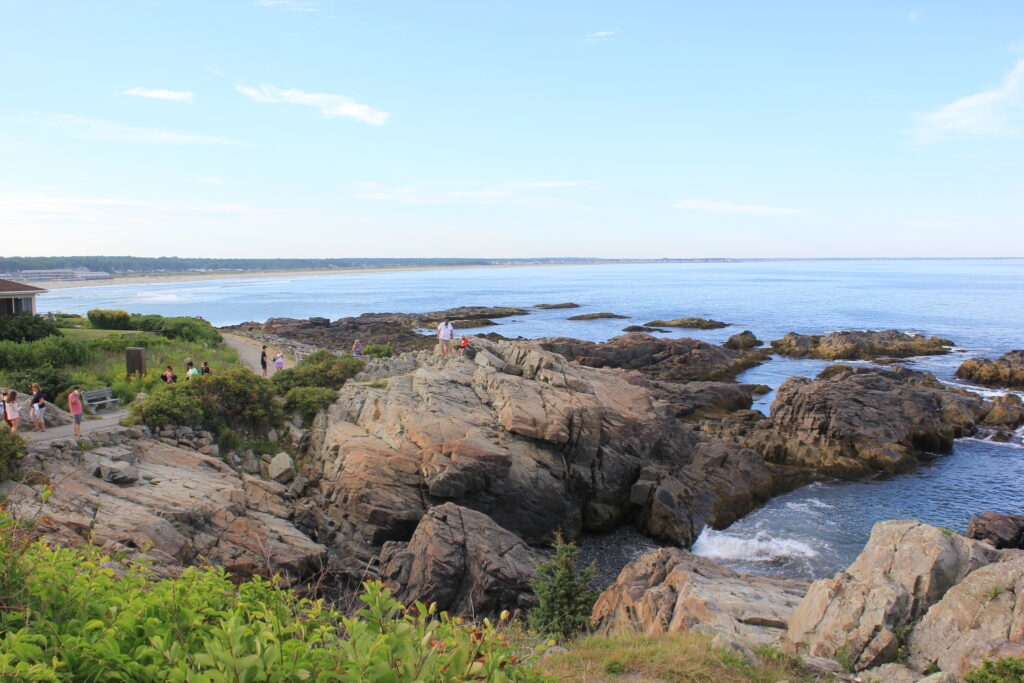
{"type": "Point", "coordinates": [445, 334]}
{"type": "Point", "coordinates": [75, 409]}
{"type": "Point", "coordinates": [279, 360]}
{"type": "Point", "coordinates": [463, 345]}
{"type": "Point", "coordinates": [11, 413]}
{"type": "Point", "coordinates": [263, 362]}
{"type": "Point", "coordinates": [38, 409]}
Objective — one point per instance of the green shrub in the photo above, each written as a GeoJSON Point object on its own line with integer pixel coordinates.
{"type": "Point", "coordinates": [55, 351]}
{"type": "Point", "coordinates": [146, 323]}
{"type": "Point", "coordinates": [174, 405]}
{"type": "Point", "coordinates": [378, 351]}
{"type": "Point", "coordinates": [26, 327]}
{"type": "Point", "coordinates": [108, 319]}
{"type": "Point", "coordinates": [12, 447]}
{"type": "Point", "coordinates": [191, 330]}
{"type": "Point", "coordinates": [231, 403]}
{"type": "Point", "coordinates": [53, 381]}
{"type": "Point", "coordinates": [308, 401]}
{"type": "Point", "coordinates": [563, 592]}
{"type": "Point", "coordinates": [319, 369]}
{"type": "Point", "coordinates": [1008, 670]}
{"type": "Point", "coordinates": [73, 618]}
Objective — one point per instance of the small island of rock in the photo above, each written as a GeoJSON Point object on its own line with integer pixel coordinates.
{"type": "Point", "coordinates": [693, 323]}
{"type": "Point", "coordinates": [860, 345]}
{"type": "Point", "coordinates": [1005, 371]}
{"type": "Point", "coordinates": [567, 304]}
{"type": "Point", "coordinates": [596, 316]}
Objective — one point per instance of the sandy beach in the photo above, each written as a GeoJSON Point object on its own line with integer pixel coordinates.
{"type": "Point", "coordinates": [200, 277]}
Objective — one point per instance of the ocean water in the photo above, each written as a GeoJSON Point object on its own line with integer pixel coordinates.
{"type": "Point", "coordinates": [814, 531]}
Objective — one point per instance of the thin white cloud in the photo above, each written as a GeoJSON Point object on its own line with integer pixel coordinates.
{"type": "Point", "coordinates": [290, 5]}
{"type": "Point", "coordinates": [599, 36]}
{"type": "Point", "coordinates": [723, 207]}
{"type": "Point", "coordinates": [18, 210]}
{"type": "Point", "coordinates": [914, 16]}
{"type": "Point", "coordinates": [159, 94]}
{"type": "Point", "coordinates": [330, 106]}
{"type": "Point", "coordinates": [996, 112]}
{"type": "Point", "coordinates": [510, 193]}
{"type": "Point", "coordinates": [209, 181]}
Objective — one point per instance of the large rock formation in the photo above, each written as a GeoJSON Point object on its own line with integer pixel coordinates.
{"type": "Point", "coordinates": [1000, 531]}
{"type": "Point", "coordinates": [1005, 371]}
{"type": "Point", "coordinates": [136, 493]}
{"type": "Point", "coordinates": [742, 341]}
{"type": "Point", "coordinates": [863, 615]}
{"type": "Point", "coordinates": [397, 330]}
{"type": "Point", "coordinates": [669, 590]}
{"type": "Point", "coordinates": [530, 439]}
{"type": "Point", "coordinates": [463, 561]}
{"type": "Point", "coordinates": [667, 359]}
{"type": "Point", "coordinates": [852, 421]}
{"type": "Point", "coordinates": [859, 345]}
{"type": "Point", "coordinates": [980, 617]}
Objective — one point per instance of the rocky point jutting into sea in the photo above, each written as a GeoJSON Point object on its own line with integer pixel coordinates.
{"type": "Point", "coordinates": [447, 477]}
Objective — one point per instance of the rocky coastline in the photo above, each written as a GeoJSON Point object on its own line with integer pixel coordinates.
{"type": "Point", "coordinates": [445, 478]}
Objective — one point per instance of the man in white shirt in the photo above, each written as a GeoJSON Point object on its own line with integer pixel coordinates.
{"type": "Point", "coordinates": [445, 334]}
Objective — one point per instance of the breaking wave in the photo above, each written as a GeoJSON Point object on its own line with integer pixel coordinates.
{"type": "Point", "coordinates": [720, 545]}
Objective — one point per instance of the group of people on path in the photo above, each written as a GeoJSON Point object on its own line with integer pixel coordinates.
{"type": "Point", "coordinates": [11, 411]}
{"type": "Point", "coordinates": [445, 336]}
{"type": "Point", "coordinates": [170, 377]}
{"type": "Point", "coordinates": [278, 361]}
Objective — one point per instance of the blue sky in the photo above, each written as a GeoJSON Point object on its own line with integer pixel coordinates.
{"type": "Point", "coordinates": [263, 128]}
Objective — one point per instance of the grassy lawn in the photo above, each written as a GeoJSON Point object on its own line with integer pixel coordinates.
{"type": "Point", "coordinates": [674, 657]}
{"type": "Point", "coordinates": [83, 334]}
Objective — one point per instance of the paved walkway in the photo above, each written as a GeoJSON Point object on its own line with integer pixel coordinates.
{"type": "Point", "coordinates": [106, 418]}
{"type": "Point", "coordinates": [249, 352]}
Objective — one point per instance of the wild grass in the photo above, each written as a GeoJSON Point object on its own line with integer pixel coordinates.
{"type": "Point", "coordinates": [674, 657]}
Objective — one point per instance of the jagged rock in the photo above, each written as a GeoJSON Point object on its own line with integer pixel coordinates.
{"type": "Point", "coordinates": [859, 345]}
{"type": "Point", "coordinates": [53, 416]}
{"type": "Point", "coordinates": [694, 401]}
{"type": "Point", "coordinates": [1001, 531]}
{"type": "Point", "coordinates": [861, 614]}
{"type": "Point", "coordinates": [120, 473]}
{"type": "Point", "coordinates": [980, 617]}
{"type": "Point", "coordinates": [742, 341]}
{"type": "Point", "coordinates": [693, 323]}
{"type": "Point", "coordinates": [596, 316]}
{"type": "Point", "coordinates": [187, 506]}
{"type": "Point", "coordinates": [463, 561]}
{"type": "Point", "coordinates": [519, 433]}
{"type": "Point", "coordinates": [890, 673]}
{"type": "Point", "coordinates": [641, 328]}
{"type": "Point", "coordinates": [280, 468]}
{"type": "Point", "coordinates": [853, 421]}
{"type": "Point", "coordinates": [667, 359]}
{"type": "Point", "coordinates": [940, 677]}
{"type": "Point", "coordinates": [668, 590]}
{"type": "Point", "coordinates": [1005, 371]}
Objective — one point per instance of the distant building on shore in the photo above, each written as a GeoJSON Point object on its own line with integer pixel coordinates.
{"type": "Point", "coordinates": [58, 274]}
{"type": "Point", "coordinates": [16, 297]}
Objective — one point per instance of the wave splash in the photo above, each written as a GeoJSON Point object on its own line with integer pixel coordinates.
{"type": "Point", "coordinates": [762, 547]}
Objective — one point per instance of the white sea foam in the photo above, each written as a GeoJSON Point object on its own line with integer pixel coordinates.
{"type": "Point", "coordinates": [809, 506]}
{"type": "Point", "coordinates": [761, 548]}
{"type": "Point", "coordinates": [154, 296]}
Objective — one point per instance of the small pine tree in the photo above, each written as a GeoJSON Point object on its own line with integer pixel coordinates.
{"type": "Point", "coordinates": [564, 593]}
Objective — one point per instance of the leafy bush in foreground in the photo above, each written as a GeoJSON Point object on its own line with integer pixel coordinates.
{"type": "Point", "coordinates": [319, 369]}
{"type": "Point", "coordinates": [56, 351]}
{"type": "Point", "coordinates": [22, 327]}
{"type": "Point", "coordinates": [378, 350]}
{"type": "Point", "coordinates": [72, 617]}
{"type": "Point", "coordinates": [563, 592]}
{"type": "Point", "coordinates": [12, 447]}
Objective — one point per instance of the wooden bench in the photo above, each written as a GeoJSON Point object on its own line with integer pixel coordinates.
{"type": "Point", "coordinates": [98, 397]}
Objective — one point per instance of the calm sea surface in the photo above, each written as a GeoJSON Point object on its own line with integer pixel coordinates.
{"type": "Point", "coordinates": [814, 531]}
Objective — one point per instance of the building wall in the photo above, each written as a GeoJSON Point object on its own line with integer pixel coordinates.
{"type": "Point", "coordinates": [9, 305]}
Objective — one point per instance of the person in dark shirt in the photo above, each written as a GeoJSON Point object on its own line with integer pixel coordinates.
{"type": "Point", "coordinates": [38, 404]}
{"type": "Point", "coordinates": [204, 369]}
{"type": "Point", "coordinates": [263, 361]}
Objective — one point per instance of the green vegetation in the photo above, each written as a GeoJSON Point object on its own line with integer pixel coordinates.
{"type": "Point", "coordinates": [378, 350]}
{"type": "Point", "coordinates": [319, 369]}
{"type": "Point", "coordinates": [994, 592]}
{"type": "Point", "coordinates": [667, 657]}
{"type": "Point", "coordinates": [1008, 670]}
{"type": "Point", "coordinates": [103, 319]}
{"type": "Point", "coordinates": [12, 447]}
{"type": "Point", "coordinates": [26, 327]}
{"type": "Point", "coordinates": [71, 616]}
{"type": "Point", "coordinates": [186, 329]}
{"type": "Point", "coordinates": [235, 406]}
{"type": "Point", "coordinates": [563, 592]}
{"type": "Point", "coordinates": [308, 401]}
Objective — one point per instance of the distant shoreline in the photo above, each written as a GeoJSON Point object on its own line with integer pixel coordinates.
{"type": "Point", "coordinates": [159, 278]}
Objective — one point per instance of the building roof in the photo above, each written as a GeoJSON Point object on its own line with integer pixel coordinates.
{"type": "Point", "coordinates": [11, 287]}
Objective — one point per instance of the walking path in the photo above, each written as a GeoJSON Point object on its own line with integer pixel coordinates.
{"type": "Point", "coordinates": [108, 418]}
{"type": "Point", "coordinates": [249, 352]}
